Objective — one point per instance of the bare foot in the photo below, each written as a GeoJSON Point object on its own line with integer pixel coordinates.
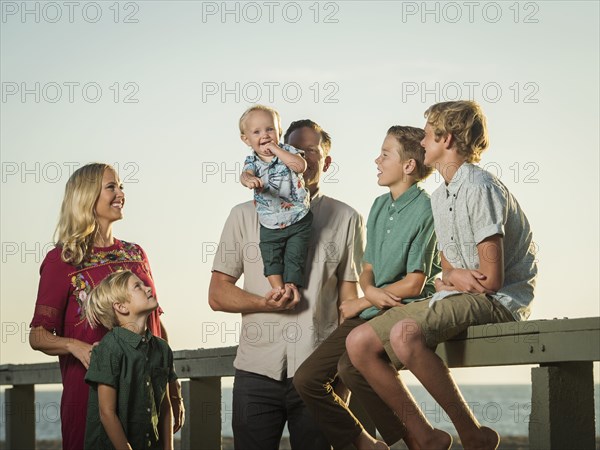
{"type": "Point", "coordinates": [290, 288]}
{"type": "Point", "coordinates": [437, 440]}
{"type": "Point", "coordinates": [485, 439]}
{"type": "Point", "coordinates": [277, 293]}
{"type": "Point", "coordinates": [364, 441]}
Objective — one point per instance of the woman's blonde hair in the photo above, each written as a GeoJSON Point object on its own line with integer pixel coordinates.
{"type": "Point", "coordinates": [465, 121]}
{"type": "Point", "coordinates": [77, 226]}
{"type": "Point", "coordinates": [99, 306]}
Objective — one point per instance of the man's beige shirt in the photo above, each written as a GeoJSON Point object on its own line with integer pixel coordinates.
{"type": "Point", "coordinates": [274, 344]}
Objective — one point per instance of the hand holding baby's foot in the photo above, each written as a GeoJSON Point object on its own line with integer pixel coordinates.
{"type": "Point", "coordinates": [294, 295]}
{"type": "Point", "coordinates": [274, 295]}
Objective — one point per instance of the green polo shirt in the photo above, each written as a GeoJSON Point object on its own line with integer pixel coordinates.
{"type": "Point", "coordinates": [401, 240]}
{"type": "Point", "coordinates": [139, 368]}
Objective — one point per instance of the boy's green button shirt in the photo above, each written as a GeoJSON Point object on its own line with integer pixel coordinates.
{"type": "Point", "coordinates": [401, 240]}
{"type": "Point", "coordinates": [139, 368]}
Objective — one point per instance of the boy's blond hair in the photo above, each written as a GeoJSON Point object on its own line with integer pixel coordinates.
{"type": "Point", "coordinates": [276, 117]}
{"type": "Point", "coordinates": [465, 121]}
{"type": "Point", "coordinates": [410, 139]}
{"type": "Point", "coordinates": [99, 307]}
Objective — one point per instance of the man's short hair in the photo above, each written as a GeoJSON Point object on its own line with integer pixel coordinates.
{"type": "Point", "coordinates": [325, 138]}
{"type": "Point", "coordinates": [410, 139]}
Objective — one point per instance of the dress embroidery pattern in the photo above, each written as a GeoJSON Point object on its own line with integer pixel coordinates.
{"type": "Point", "coordinates": [129, 252]}
{"type": "Point", "coordinates": [81, 292]}
{"type": "Point", "coordinates": [114, 259]}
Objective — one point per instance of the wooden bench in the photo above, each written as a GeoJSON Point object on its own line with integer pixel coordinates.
{"type": "Point", "coordinates": [562, 403]}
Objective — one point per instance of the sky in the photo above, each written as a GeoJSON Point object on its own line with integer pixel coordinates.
{"type": "Point", "coordinates": [156, 89]}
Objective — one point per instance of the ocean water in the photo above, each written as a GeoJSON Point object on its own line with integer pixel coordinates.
{"type": "Point", "coordinates": [506, 408]}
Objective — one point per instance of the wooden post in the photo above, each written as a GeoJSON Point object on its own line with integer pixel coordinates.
{"type": "Point", "coordinates": [202, 401]}
{"type": "Point", "coordinates": [19, 409]}
{"type": "Point", "coordinates": [562, 407]}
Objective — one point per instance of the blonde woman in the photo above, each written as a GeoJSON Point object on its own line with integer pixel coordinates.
{"type": "Point", "coordinates": [86, 252]}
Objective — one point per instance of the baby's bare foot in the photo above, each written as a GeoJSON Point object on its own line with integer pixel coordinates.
{"type": "Point", "coordinates": [276, 293]}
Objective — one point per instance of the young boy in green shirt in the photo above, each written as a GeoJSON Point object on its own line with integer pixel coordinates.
{"type": "Point", "coordinates": [129, 370]}
{"type": "Point", "coordinates": [399, 266]}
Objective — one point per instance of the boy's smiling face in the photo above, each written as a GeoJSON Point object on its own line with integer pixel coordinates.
{"type": "Point", "coordinates": [434, 150]}
{"type": "Point", "coordinates": [260, 129]}
{"type": "Point", "coordinates": [141, 299]}
{"type": "Point", "coordinates": [389, 165]}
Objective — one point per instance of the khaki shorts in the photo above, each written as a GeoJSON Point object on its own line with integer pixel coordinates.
{"type": "Point", "coordinates": [442, 321]}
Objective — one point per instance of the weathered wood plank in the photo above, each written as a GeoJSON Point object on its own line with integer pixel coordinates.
{"type": "Point", "coordinates": [533, 342]}
{"type": "Point", "coordinates": [504, 351]}
{"type": "Point", "coordinates": [205, 367]}
{"type": "Point", "coordinates": [531, 327]}
{"type": "Point", "coordinates": [205, 352]}
{"type": "Point", "coordinates": [23, 374]}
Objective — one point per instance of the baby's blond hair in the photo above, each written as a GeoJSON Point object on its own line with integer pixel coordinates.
{"type": "Point", "coordinates": [276, 117]}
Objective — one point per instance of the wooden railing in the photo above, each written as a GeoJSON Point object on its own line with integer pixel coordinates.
{"type": "Point", "coordinates": [562, 404]}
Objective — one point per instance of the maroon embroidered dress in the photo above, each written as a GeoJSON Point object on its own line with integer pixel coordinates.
{"type": "Point", "coordinates": [63, 289]}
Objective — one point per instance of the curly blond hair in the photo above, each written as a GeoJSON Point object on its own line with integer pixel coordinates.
{"type": "Point", "coordinates": [465, 121]}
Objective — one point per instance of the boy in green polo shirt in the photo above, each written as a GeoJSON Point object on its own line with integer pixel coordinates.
{"type": "Point", "coordinates": [399, 266]}
{"type": "Point", "coordinates": [129, 370]}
